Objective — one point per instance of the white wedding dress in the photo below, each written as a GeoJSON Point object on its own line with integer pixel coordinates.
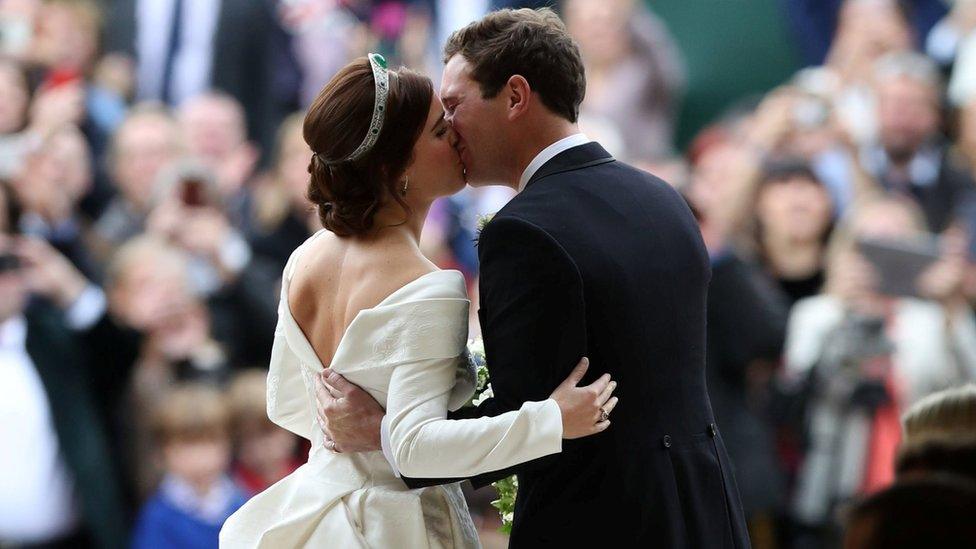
{"type": "Point", "coordinates": [407, 352]}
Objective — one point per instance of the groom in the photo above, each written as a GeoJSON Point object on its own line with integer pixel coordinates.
{"type": "Point", "coordinates": [595, 258]}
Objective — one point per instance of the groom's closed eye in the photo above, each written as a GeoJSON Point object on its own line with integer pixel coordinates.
{"type": "Point", "coordinates": [450, 104]}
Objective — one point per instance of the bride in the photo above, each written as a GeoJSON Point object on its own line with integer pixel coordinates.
{"type": "Point", "coordinates": [360, 297]}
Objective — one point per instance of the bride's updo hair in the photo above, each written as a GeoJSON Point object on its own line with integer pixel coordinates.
{"type": "Point", "coordinates": [348, 194]}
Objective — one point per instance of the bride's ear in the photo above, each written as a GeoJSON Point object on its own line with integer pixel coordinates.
{"type": "Point", "coordinates": [519, 93]}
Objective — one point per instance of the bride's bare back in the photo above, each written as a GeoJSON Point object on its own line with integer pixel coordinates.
{"type": "Point", "coordinates": [336, 278]}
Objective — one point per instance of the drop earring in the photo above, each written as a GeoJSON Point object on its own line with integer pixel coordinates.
{"type": "Point", "coordinates": [406, 182]}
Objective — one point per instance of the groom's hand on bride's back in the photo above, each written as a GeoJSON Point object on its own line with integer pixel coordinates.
{"type": "Point", "coordinates": [349, 417]}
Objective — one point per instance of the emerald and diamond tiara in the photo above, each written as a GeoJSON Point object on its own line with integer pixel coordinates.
{"type": "Point", "coordinates": [381, 76]}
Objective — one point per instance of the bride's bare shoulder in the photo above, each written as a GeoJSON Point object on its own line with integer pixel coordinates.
{"type": "Point", "coordinates": [356, 277]}
{"type": "Point", "coordinates": [378, 277]}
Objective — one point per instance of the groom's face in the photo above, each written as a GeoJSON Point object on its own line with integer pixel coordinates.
{"type": "Point", "coordinates": [479, 123]}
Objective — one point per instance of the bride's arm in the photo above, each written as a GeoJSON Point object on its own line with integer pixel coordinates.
{"type": "Point", "coordinates": [424, 443]}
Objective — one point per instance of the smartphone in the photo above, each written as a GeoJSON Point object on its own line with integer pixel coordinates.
{"type": "Point", "coordinates": [193, 193]}
{"type": "Point", "coordinates": [899, 263]}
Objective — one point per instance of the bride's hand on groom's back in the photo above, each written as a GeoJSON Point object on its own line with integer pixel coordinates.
{"type": "Point", "coordinates": [585, 410]}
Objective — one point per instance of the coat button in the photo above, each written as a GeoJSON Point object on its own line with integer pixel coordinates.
{"type": "Point", "coordinates": [712, 430]}
{"type": "Point", "coordinates": [666, 441]}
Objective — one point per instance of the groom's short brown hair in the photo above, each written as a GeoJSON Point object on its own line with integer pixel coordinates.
{"type": "Point", "coordinates": [532, 43]}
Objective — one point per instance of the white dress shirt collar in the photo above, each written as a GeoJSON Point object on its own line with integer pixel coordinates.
{"type": "Point", "coordinates": [212, 507]}
{"type": "Point", "coordinates": [548, 154]}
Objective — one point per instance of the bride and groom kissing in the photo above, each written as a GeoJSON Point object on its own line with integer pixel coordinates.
{"type": "Point", "coordinates": [592, 261]}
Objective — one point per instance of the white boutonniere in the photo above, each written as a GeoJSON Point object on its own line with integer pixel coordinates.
{"type": "Point", "coordinates": [483, 221]}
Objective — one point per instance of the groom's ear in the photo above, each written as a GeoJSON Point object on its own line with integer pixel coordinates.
{"type": "Point", "coordinates": [519, 94]}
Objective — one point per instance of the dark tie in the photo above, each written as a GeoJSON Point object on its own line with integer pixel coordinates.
{"type": "Point", "coordinates": [173, 47]}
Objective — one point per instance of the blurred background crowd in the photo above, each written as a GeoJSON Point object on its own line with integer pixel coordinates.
{"type": "Point", "coordinates": [152, 180]}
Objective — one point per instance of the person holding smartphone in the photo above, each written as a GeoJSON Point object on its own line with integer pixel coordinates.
{"type": "Point", "coordinates": [860, 357]}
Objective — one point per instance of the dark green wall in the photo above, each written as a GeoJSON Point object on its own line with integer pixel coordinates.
{"type": "Point", "coordinates": [731, 48]}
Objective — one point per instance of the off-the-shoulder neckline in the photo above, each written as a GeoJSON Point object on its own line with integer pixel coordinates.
{"type": "Point", "coordinates": [305, 342]}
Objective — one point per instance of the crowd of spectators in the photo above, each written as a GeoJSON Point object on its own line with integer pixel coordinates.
{"type": "Point", "coordinates": [152, 186]}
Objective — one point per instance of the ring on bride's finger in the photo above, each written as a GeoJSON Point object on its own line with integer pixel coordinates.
{"type": "Point", "coordinates": [604, 415]}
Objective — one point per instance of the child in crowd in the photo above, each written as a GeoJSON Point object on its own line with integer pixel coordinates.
{"type": "Point", "coordinates": [191, 426]}
{"type": "Point", "coordinates": [265, 453]}
{"type": "Point", "coordinates": [940, 435]}
{"type": "Point", "coordinates": [948, 415]}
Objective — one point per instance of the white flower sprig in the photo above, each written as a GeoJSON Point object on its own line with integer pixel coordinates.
{"type": "Point", "coordinates": [507, 488]}
{"type": "Point", "coordinates": [483, 221]}
{"type": "Point", "coordinates": [476, 355]}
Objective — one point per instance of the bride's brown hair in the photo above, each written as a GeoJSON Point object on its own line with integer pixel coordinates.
{"type": "Point", "coordinates": [348, 194]}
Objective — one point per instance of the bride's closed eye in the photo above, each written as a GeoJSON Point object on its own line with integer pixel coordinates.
{"type": "Point", "coordinates": [440, 127]}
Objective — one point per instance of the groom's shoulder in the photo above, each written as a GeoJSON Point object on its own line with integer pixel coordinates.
{"type": "Point", "coordinates": [563, 194]}
{"type": "Point", "coordinates": [634, 178]}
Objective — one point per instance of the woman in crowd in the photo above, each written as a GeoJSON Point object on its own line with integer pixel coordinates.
{"type": "Point", "coordinates": [792, 223]}
{"type": "Point", "coordinates": [859, 357]}
{"type": "Point", "coordinates": [283, 217]}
